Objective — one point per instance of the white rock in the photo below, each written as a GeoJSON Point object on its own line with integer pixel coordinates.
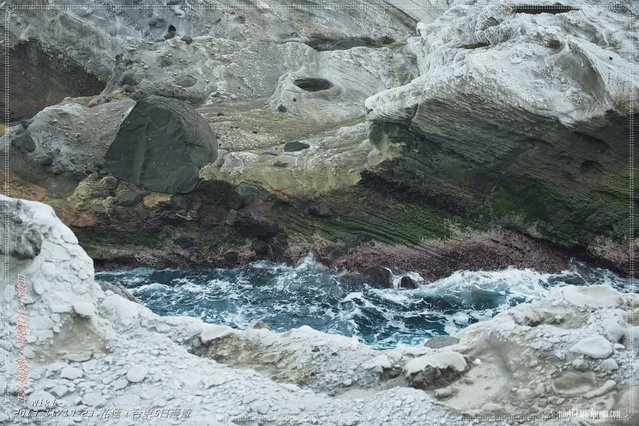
{"type": "Point", "coordinates": [40, 400]}
{"type": "Point", "coordinates": [84, 309]}
{"type": "Point", "coordinates": [378, 364]}
{"type": "Point", "coordinates": [215, 380]}
{"type": "Point", "coordinates": [603, 389]}
{"type": "Point", "coordinates": [77, 356]}
{"type": "Point", "coordinates": [491, 406]}
{"type": "Point", "coordinates": [593, 347]}
{"type": "Point", "coordinates": [60, 390]}
{"type": "Point", "coordinates": [89, 366]}
{"type": "Point", "coordinates": [440, 360]}
{"type": "Point", "coordinates": [609, 364]}
{"type": "Point", "coordinates": [136, 373]}
{"type": "Point", "coordinates": [122, 310]}
{"type": "Point", "coordinates": [61, 308]}
{"type": "Point", "coordinates": [260, 407]}
{"type": "Point", "coordinates": [612, 330]}
{"type": "Point", "coordinates": [120, 384]}
{"type": "Point", "coordinates": [93, 399]}
{"type": "Point", "coordinates": [71, 373]}
{"type": "Point", "coordinates": [49, 270]}
{"type": "Point", "coordinates": [212, 332]}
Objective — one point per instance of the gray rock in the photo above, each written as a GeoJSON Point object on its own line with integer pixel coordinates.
{"type": "Point", "coordinates": [295, 146]}
{"type": "Point", "coordinates": [44, 159]}
{"type": "Point", "coordinates": [593, 347]}
{"type": "Point", "coordinates": [110, 183]}
{"type": "Point", "coordinates": [93, 399]}
{"type": "Point", "coordinates": [130, 198]}
{"type": "Point", "coordinates": [379, 277]}
{"type": "Point", "coordinates": [24, 238]}
{"type": "Point", "coordinates": [118, 289]}
{"type": "Point", "coordinates": [407, 282]}
{"type": "Point", "coordinates": [271, 151]}
{"type": "Point", "coordinates": [439, 342]}
{"type": "Point", "coordinates": [320, 210]}
{"type": "Point", "coordinates": [71, 373]}
{"type": "Point", "coordinates": [24, 143]}
{"type": "Point", "coordinates": [256, 220]}
{"type": "Point", "coordinates": [161, 146]}
{"type": "Point", "coordinates": [136, 373]}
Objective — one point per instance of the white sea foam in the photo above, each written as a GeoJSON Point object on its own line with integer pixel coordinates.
{"type": "Point", "coordinates": [338, 302]}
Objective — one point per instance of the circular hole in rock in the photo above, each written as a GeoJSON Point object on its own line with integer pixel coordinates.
{"type": "Point", "coordinates": [313, 84]}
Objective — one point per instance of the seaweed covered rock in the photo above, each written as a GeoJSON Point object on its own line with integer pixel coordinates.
{"type": "Point", "coordinates": [161, 146]}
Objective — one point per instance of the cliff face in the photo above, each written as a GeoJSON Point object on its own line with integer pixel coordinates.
{"type": "Point", "coordinates": [519, 116]}
{"type": "Point", "coordinates": [86, 348]}
{"type": "Point", "coordinates": [496, 126]}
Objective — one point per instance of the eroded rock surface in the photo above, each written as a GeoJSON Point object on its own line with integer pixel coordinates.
{"type": "Point", "coordinates": [437, 119]}
{"type": "Point", "coordinates": [92, 348]}
{"type": "Point", "coordinates": [520, 116]}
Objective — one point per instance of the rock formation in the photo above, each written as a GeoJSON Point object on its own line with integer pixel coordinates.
{"type": "Point", "coordinates": [90, 349]}
{"type": "Point", "coordinates": [162, 145]}
{"type": "Point", "coordinates": [519, 115]}
{"type": "Point", "coordinates": [438, 133]}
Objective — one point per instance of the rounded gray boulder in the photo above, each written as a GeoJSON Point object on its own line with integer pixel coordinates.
{"type": "Point", "coordinates": [161, 146]}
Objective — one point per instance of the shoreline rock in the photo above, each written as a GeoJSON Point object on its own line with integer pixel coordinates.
{"type": "Point", "coordinates": [518, 362]}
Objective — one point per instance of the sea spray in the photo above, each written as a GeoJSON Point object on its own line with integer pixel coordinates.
{"type": "Point", "coordinates": [339, 302]}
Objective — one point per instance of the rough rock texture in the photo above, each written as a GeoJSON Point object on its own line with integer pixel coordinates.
{"type": "Point", "coordinates": [485, 137]}
{"type": "Point", "coordinates": [92, 348]}
{"type": "Point", "coordinates": [162, 145]}
{"type": "Point", "coordinates": [46, 76]}
{"type": "Point", "coordinates": [70, 140]}
{"type": "Point", "coordinates": [519, 116]}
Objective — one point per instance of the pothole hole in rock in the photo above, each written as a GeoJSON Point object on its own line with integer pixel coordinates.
{"type": "Point", "coordinates": [42, 76]}
{"type": "Point", "coordinates": [535, 9]}
{"type": "Point", "coordinates": [323, 44]}
{"type": "Point", "coordinates": [313, 84]}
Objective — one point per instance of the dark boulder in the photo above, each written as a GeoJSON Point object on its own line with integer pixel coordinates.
{"type": "Point", "coordinates": [129, 199]}
{"type": "Point", "coordinates": [320, 211]}
{"type": "Point", "coordinates": [110, 183]}
{"type": "Point", "coordinates": [407, 282]}
{"type": "Point", "coordinates": [379, 277]}
{"type": "Point", "coordinates": [184, 242]}
{"type": "Point", "coordinates": [44, 159]}
{"type": "Point", "coordinates": [295, 146]}
{"type": "Point", "coordinates": [256, 220]}
{"type": "Point", "coordinates": [24, 143]}
{"type": "Point", "coordinates": [261, 247]}
{"type": "Point", "coordinates": [231, 258]}
{"type": "Point", "coordinates": [162, 145]}
{"type": "Point", "coordinates": [242, 195]}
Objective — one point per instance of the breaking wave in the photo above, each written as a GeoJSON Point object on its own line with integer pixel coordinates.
{"type": "Point", "coordinates": [339, 302]}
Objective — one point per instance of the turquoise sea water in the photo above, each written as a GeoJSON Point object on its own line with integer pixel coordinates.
{"type": "Point", "coordinates": [339, 302]}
